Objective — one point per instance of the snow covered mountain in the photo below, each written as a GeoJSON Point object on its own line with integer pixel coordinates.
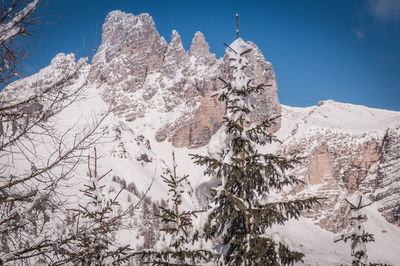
{"type": "Point", "coordinates": [145, 78]}
{"type": "Point", "coordinates": [161, 100]}
{"type": "Point", "coordinates": [346, 148]}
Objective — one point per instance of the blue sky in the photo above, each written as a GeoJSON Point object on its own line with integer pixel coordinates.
{"type": "Point", "coordinates": [345, 50]}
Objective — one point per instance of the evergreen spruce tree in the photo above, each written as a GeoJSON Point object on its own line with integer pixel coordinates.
{"type": "Point", "coordinates": [357, 234]}
{"type": "Point", "coordinates": [242, 209]}
{"type": "Point", "coordinates": [178, 228]}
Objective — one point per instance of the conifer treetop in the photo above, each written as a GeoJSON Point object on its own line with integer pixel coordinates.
{"type": "Point", "coordinates": [358, 201]}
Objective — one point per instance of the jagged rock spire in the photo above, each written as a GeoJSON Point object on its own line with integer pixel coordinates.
{"type": "Point", "coordinates": [199, 47]}
{"type": "Point", "coordinates": [175, 40]}
{"type": "Point", "coordinates": [131, 47]}
{"type": "Point", "coordinates": [200, 50]}
{"type": "Point", "coordinates": [175, 57]}
{"type": "Point", "coordinates": [239, 46]}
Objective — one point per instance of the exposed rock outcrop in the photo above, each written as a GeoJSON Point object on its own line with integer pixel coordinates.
{"type": "Point", "coordinates": [200, 50]}
{"type": "Point", "coordinates": [176, 58]}
{"type": "Point", "coordinates": [140, 74]}
{"type": "Point", "coordinates": [340, 160]}
{"type": "Point", "coordinates": [388, 177]}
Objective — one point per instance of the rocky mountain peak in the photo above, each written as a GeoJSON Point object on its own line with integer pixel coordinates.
{"type": "Point", "coordinates": [130, 48]}
{"type": "Point", "coordinates": [175, 39]}
{"type": "Point", "coordinates": [138, 73]}
{"type": "Point", "coordinates": [175, 48]}
{"type": "Point", "coordinates": [200, 49]}
{"type": "Point", "coordinates": [175, 57]}
{"type": "Point", "coordinates": [259, 71]}
{"type": "Point", "coordinates": [239, 46]}
{"type": "Point", "coordinates": [121, 28]}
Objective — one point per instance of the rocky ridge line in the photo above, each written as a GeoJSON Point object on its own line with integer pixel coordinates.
{"type": "Point", "coordinates": [139, 74]}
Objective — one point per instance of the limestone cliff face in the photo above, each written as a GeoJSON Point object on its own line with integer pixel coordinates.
{"type": "Point", "coordinates": [387, 181]}
{"type": "Point", "coordinates": [200, 50]}
{"type": "Point", "coordinates": [337, 166]}
{"type": "Point", "coordinates": [131, 47]}
{"type": "Point", "coordinates": [176, 58]}
{"type": "Point", "coordinates": [139, 74]}
{"type": "Point", "coordinates": [340, 160]}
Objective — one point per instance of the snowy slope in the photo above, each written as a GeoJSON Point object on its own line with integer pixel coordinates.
{"type": "Point", "coordinates": [343, 117]}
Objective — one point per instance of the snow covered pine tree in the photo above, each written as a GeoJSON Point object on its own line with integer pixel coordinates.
{"type": "Point", "coordinates": [242, 209]}
{"type": "Point", "coordinates": [90, 238]}
{"type": "Point", "coordinates": [359, 238]}
{"type": "Point", "coordinates": [179, 230]}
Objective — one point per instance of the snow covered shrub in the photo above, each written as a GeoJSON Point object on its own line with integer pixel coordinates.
{"type": "Point", "coordinates": [356, 233]}
{"type": "Point", "coordinates": [90, 240]}
{"type": "Point", "coordinates": [180, 242]}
